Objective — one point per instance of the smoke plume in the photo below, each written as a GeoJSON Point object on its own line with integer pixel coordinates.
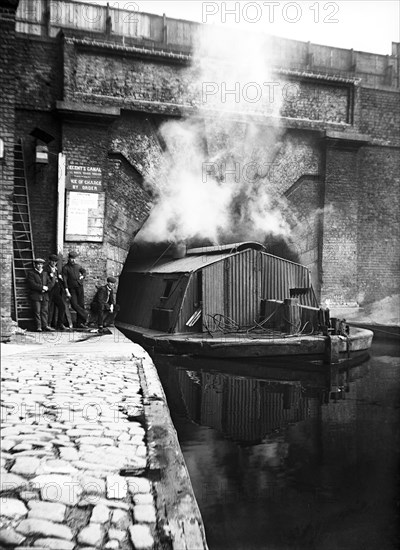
{"type": "Point", "coordinates": [212, 182]}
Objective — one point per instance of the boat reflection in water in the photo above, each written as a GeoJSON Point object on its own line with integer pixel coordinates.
{"type": "Point", "coordinates": [290, 459]}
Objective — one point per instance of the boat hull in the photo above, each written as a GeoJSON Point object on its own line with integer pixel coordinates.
{"type": "Point", "coordinates": [244, 345]}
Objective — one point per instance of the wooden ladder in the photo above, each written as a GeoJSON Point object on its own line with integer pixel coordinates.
{"type": "Point", "coordinates": [23, 252]}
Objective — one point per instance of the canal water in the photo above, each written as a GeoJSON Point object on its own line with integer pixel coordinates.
{"type": "Point", "coordinates": [286, 456]}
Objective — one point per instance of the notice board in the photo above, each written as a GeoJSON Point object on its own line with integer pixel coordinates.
{"type": "Point", "coordinates": [85, 204]}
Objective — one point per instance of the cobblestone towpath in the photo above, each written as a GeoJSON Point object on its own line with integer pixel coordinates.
{"type": "Point", "coordinates": [89, 455]}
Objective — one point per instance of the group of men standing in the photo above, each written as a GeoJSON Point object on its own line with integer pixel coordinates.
{"type": "Point", "coordinates": [51, 292]}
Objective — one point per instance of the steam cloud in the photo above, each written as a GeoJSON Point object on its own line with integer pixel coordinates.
{"type": "Point", "coordinates": [213, 180]}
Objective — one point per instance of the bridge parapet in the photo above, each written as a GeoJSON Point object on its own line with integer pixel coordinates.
{"type": "Point", "coordinates": [130, 27]}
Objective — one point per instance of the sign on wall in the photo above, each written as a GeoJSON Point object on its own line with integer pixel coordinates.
{"type": "Point", "coordinates": [85, 200]}
{"type": "Point", "coordinates": [83, 178]}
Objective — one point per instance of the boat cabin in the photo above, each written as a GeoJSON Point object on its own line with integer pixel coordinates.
{"type": "Point", "coordinates": [209, 289]}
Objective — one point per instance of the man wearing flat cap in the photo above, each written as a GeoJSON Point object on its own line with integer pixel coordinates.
{"type": "Point", "coordinates": [38, 284]}
{"type": "Point", "coordinates": [56, 289]}
{"type": "Point", "coordinates": [103, 304]}
{"type": "Point", "coordinates": [73, 277]}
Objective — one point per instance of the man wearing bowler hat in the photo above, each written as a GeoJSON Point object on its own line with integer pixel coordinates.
{"type": "Point", "coordinates": [103, 304]}
{"type": "Point", "coordinates": [56, 289]}
{"type": "Point", "coordinates": [38, 285]}
{"type": "Point", "coordinates": [73, 276]}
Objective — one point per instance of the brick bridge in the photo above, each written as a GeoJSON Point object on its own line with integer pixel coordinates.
{"type": "Point", "coordinates": [94, 84]}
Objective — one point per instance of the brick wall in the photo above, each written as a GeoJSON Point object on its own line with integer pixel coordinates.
{"type": "Point", "coordinates": [106, 77]}
{"type": "Point", "coordinates": [135, 135]}
{"type": "Point", "coordinates": [306, 202]}
{"type": "Point", "coordinates": [380, 115]}
{"type": "Point", "coordinates": [378, 266]}
{"type": "Point", "coordinates": [127, 204]}
{"type": "Point", "coordinates": [38, 74]}
{"type": "Point", "coordinates": [314, 100]}
{"type": "Point", "coordinates": [103, 77]}
{"type": "Point", "coordinates": [42, 180]}
{"type": "Point", "coordinates": [7, 129]}
{"type": "Point", "coordinates": [340, 226]}
{"type": "Point", "coordinates": [298, 153]}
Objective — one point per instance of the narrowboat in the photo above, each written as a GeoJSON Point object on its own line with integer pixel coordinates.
{"type": "Point", "coordinates": [231, 301]}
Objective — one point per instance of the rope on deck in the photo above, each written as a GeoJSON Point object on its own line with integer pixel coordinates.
{"type": "Point", "coordinates": [227, 325]}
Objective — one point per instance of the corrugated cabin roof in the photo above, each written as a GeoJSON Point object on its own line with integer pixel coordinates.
{"type": "Point", "coordinates": [187, 264]}
{"type": "Point", "coordinates": [195, 258]}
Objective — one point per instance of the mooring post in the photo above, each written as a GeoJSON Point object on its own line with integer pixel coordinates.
{"type": "Point", "coordinates": [332, 349]}
{"type": "Point", "coordinates": [291, 315]}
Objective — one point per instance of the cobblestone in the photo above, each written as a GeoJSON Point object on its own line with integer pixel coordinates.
{"type": "Point", "coordinates": [144, 513]}
{"type": "Point", "coordinates": [9, 537]}
{"type": "Point", "coordinates": [52, 511]}
{"type": "Point", "coordinates": [141, 537]}
{"type": "Point", "coordinates": [138, 485]}
{"type": "Point", "coordinates": [26, 465]}
{"type": "Point", "coordinates": [44, 527]}
{"type": "Point", "coordinates": [100, 514]}
{"type": "Point", "coordinates": [54, 544]}
{"type": "Point", "coordinates": [143, 498]}
{"type": "Point", "coordinates": [12, 507]}
{"type": "Point", "coordinates": [116, 487]}
{"type": "Point", "coordinates": [93, 534]}
{"type": "Point", "coordinates": [11, 482]}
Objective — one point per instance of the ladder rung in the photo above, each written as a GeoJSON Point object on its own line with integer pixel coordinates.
{"type": "Point", "coordinates": [22, 237]}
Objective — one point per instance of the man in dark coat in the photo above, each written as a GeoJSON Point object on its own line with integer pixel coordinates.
{"type": "Point", "coordinates": [73, 276]}
{"type": "Point", "coordinates": [103, 304]}
{"type": "Point", "coordinates": [56, 289]}
{"type": "Point", "coordinates": [38, 284]}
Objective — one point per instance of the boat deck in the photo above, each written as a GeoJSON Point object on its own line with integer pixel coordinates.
{"type": "Point", "coordinates": [244, 344]}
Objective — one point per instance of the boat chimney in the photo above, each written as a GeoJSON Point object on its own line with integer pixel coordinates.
{"type": "Point", "coordinates": [179, 250]}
